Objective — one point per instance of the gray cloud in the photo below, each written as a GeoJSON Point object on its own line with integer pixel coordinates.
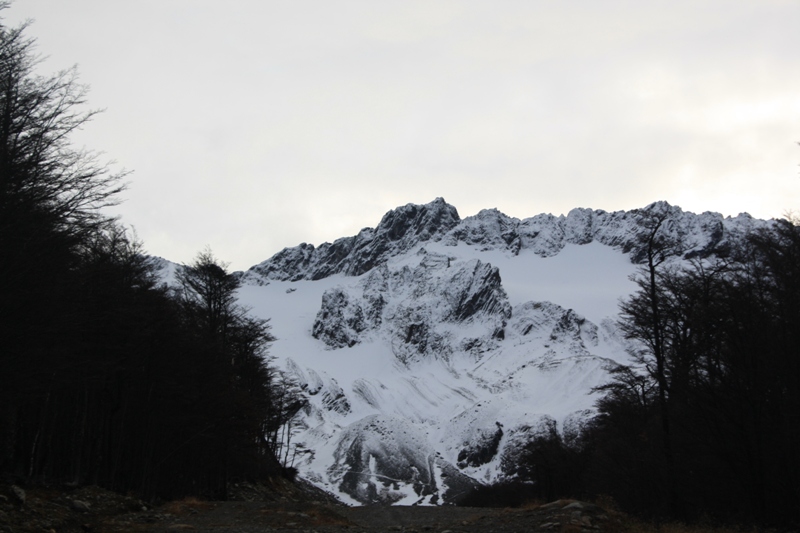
{"type": "Point", "coordinates": [256, 125]}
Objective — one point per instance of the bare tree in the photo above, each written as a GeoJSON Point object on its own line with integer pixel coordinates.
{"type": "Point", "coordinates": [644, 318]}
{"type": "Point", "coordinates": [51, 196]}
{"type": "Point", "coordinates": [39, 169]}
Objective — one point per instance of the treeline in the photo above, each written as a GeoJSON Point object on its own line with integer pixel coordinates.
{"type": "Point", "coordinates": [705, 424]}
{"type": "Point", "coordinates": [107, 376]}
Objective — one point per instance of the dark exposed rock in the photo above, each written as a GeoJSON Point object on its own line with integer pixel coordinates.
{"type": "Point", "coordinates": [424, 301]}
{"type": "Point", "coordinates": [334, 398]}
{"type": "Point", "coordinates": [338, 321]}
{"type": "Point", "coordinates": [518, 438]}
{"type": "Point", "coordinates": [489, 229]}
{"type": "Point", "coordinates": [398, 230]}
{"type": "Point", "coordinates": [479, 289]}
{"type": "Point", "coordinates": [481, 450]}
{"type": "Point", "coordinates": [559, 325]}
{"type": "Point", "coordinates": [80, 506]}
{"type": "Point", "coordinates": [379, 453]}
{"type": "Point", "coordinates": [289, 263]}
{"type": "Point", "coordinates": [579, 226]}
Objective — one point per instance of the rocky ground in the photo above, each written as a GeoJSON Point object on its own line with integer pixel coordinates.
{"type": "Point", "coordinates": [252, 517]}
{"type": "Point", "coordinates": [286, 507]}
{"type": "Point", "coordinates": [91, 509]}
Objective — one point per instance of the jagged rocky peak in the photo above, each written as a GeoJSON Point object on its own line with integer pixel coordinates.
{"type": "Point", "coordinates": [412, 223]}
{"type": "Point", "coordinates": [399, 230]}
{"type": "Point", "coordinates": [288, 264]}
{"type": "Point", "coordinates": [489, 229]}
{"type": "Point", "coordinates": [579, 226]}
{"type": "Point", "coordinates": [698, 235]}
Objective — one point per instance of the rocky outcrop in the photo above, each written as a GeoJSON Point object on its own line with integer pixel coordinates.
{"type": "Point", "coordinates": [418, 307]}
{"type": "Point", "coordinates": [552, 325]}
{"type": "Point", "coordinates": [383, 459]}
{"type": "Point", "coordinates": [519, 438]}
{"type": "Point", "coordinates": [488, 230]}
{"type": "Point", "coordinates": [378, 453]}
{"type": "Point", "coordinates": [334, 399]}
{"type": "Point", "coordinates": [340, 320]}
{"type": "Point", "coordinates": [482, 449]}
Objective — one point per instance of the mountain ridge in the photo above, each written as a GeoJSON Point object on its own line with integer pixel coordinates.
{"type": "Point", "coordinates": [545, 234]}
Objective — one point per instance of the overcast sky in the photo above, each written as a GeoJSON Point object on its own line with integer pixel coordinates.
{"type": "Point", "coordinates": [251, 125]}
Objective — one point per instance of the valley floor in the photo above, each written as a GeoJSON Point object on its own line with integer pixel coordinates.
{"type": "Point", "coordinates": [259, 517]}
{"type": "Point", "coordinates": [50, 510]}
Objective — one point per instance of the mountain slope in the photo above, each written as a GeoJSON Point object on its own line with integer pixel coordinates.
{"type": "Point", "coordinates": [432, 348]}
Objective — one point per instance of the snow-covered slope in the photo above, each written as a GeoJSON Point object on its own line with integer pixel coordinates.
{"type": "Point", "coordinates": [432, 348]}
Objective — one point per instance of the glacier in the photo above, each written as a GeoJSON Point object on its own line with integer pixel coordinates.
{"type": "Point", "coordinates": [432, 348]}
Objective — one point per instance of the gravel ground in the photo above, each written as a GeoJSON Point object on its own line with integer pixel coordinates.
{"type": "Point", "coordinates": [259, 517]}
{"type": "Point", "coordinates": [95, 510]}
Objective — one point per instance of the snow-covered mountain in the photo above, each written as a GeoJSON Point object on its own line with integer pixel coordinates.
{"type": "Point", "coordinates": [433, 347]}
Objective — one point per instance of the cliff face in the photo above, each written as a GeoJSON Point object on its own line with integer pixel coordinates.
{"type": "Point", "coordinates": [418, 308]}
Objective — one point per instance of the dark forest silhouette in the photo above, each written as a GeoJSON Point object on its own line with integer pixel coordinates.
{"type": "Point", "coordinates": [108, 377]}
{"type": "Point", "coordinates": [706, 421]}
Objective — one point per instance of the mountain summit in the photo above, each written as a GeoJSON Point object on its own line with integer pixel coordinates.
{"type": "Point", "coordinates": [398, 231]}
{"type": "Point", "coordinates": [433, 348]}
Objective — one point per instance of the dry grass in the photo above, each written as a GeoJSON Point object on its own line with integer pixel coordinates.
{"type": "Point", "coordinates": [630, 524]}
{"type": "Point", "coordinates": [321, 516]}
{"type": "Point", "coordinates": [635, 526]}
{"type": "Point", "coordinates": [188, 505]}
{"type": "Point", "coordinates": [533, 504]}
{"type": "Point", "coordinates": [620, 522]}
{"type": "Point", "coordinates": [310, 516]}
